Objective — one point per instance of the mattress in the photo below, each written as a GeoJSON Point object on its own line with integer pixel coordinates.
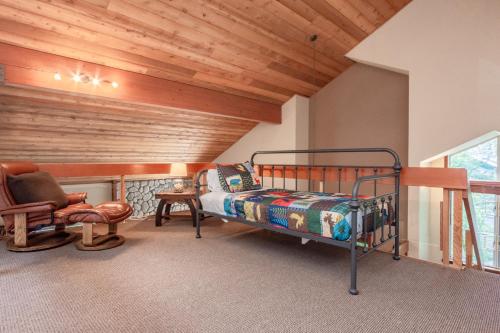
{"type": "Point", "coordinates": [323, 214]}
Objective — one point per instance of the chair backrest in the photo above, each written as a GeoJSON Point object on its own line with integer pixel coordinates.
{"type": "Point", "coordinates": [14, 168]}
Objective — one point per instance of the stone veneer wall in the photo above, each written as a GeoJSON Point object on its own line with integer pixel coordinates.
{"type": "Point", "coordinates": [140, 195]}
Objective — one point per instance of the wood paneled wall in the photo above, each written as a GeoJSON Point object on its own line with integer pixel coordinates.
{"type": "Point", "coordinates": [52, 127]}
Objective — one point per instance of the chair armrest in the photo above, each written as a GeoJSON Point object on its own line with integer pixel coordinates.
{"type": "Point", "coordinates": [35, 207]}
{"type": "Point", "coordinates": [74, 198]}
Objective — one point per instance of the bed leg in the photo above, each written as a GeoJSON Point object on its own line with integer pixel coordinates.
{"type": "Point", "coordinates": [396, 218]}
{"type": "Point", "coordinates": [353, 290]}
{"type": "Point", "coordinates": [197, 208]}
{"type": "Point", "coordinates": [396, 248]}
{"type": "Point", "coordinates": [354, 236]}
{"type": "Point", "coordinates": [198, 235]}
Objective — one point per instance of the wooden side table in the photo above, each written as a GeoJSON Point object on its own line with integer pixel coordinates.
{"type": "Point", "coordinates": [167, 199]}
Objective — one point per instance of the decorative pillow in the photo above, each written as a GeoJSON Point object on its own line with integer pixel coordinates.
{"type": "Point", "coordinates": [36, 187]}
{"type": "Point", "coordinates": [238, 177]}
{"type": "Point", "coordinates": [213, 181]}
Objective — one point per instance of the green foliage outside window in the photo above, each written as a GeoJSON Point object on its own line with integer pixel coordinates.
{"type": "Point", "coordinates": [481, 163]}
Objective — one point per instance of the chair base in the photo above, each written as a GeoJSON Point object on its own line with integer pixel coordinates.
{"type": "Point", "coordinates": [100, 243]}
{"type": "Point", "coordinates": [90, 242]}
{"type": "Point", "coordinates": [43, 241]}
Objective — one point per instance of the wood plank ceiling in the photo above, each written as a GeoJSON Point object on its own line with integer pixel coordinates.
{"type": "Point", "coordinates": [254, 48]}
{"type": "Point", "coordinates": [258, 49]}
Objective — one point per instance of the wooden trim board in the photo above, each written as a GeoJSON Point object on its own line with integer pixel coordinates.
{"type": "Point", "coordinates": [25, 67]}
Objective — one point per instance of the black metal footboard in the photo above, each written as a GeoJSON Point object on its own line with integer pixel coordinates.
{"type": "Point", "coordinates": [379, 212]}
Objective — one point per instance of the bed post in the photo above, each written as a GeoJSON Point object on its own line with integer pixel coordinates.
{"type": "Point", "coordinates": [354, 204]}
{"type": "Point", "coordinates": [397, 170]}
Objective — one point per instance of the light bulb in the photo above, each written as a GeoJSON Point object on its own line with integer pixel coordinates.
{"type": "Point", "coordinates": [114, 84]}
{"type": "Point", "coordinates": [57, 77]}
{"type": "Point", "coordinates": [95, 81]}
{"type": "Point", "coordinates": [77, 78]}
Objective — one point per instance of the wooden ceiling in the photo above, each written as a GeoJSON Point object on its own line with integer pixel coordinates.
{"type": "Point", "coordinates": [56, 127]}
{"type": "Point", "coordinates": [253, 48]}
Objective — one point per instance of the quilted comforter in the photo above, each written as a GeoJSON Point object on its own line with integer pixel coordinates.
{"type": "Point", "coordinates": [323, 214]}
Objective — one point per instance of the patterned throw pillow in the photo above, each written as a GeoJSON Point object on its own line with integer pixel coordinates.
{"type": "Point", "coordinates": [238, 177]}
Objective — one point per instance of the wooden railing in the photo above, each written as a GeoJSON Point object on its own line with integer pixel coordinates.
{"type": "Point", "coordinates": [471, 244]}
{"type": "Point", "coordinates": [451, 180]}
{"type": "Point", "coordinates": [484, 187]}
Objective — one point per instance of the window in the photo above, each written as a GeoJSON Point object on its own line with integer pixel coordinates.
{"type": "Point", "coordinates": [482, 163]}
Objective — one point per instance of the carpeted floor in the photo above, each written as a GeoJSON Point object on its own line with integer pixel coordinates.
{"type": "Point", "coordinates": [235, 279]}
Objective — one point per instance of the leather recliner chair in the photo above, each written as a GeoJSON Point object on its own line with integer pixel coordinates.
{"type": "Point", "coordinates": [22, 219]}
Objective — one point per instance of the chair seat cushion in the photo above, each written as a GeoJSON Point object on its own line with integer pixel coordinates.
{"type": "Point", "coordinates": [36, 187]}
{"type": "Point", "coordinates": [61, 214]}
{"type": "Point", "coordinates": [115, 211]}
{"type": "Point", "coordinates": [108, 213]}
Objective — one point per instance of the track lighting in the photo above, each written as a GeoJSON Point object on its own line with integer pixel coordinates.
{"type": "Point", "coordinates": [84, 78]}
{"type": "Point", "coordinates": [77, 78]}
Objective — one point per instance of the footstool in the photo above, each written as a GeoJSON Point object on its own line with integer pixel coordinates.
{"type": "Point", "coordinates": [109, 213]}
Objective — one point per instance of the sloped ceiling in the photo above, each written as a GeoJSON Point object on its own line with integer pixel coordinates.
{"type": "Point", "coordinates": [254, 48]}
{"type": "Point", "coordinates": [52, 127]}
{"type": "Point", "coordinates": [259, 49]}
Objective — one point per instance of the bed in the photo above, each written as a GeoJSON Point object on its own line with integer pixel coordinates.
{"type": "Point", "coordinates": [359, 223]}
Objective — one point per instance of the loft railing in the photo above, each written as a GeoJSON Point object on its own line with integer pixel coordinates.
{"type": "Point", "coordinates": [486, 208]}
{"type": "Point", "coordinates": [449, 179]}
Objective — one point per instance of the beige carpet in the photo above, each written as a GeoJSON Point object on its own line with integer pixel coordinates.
{"type": "Point", "coordinates": [235, 279]}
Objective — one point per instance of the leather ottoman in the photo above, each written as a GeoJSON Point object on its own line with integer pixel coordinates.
{"type": "Point", "coordinates": [110, 213]}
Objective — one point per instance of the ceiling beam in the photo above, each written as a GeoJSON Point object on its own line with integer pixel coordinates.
{"type": "Point", "coordinates": [25, 67]}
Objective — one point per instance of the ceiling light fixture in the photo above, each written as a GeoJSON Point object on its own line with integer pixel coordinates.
{"type": "Point", "coordinates": [84, 79]}
{"type": "Point", "coordinates": [313, 39]}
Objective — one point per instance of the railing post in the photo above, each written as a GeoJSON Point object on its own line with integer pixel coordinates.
{"type": "Point", "coordinates": [467, 197]}
{"type": "Point", "coordinates": [123, 197]}
{"type": "Point", "coordinates": [468, 249]}
{"type": "Point", "coordinates": [446, 227]}
{"type": "Point", "coordinates": [457, 229]}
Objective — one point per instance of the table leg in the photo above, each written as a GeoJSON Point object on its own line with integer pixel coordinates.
{"type": "Point", "coordinates": [168, 206]}
{"type": "Point", "coordinates": [159, 213]}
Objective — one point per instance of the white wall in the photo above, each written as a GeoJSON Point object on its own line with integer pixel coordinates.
{"type": "Point", "coordinates": [96, 193]}
{"type": "Point", "coordinates": [451, 51]}
{"type": "Point", "coordinates": [346, 112]}
{"type": "Point", "coordinates": [292, 133]}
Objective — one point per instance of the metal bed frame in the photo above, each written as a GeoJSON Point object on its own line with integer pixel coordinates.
{"type": "Point", "coordinates": [356, 203]}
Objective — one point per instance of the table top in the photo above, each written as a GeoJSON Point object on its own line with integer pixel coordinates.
{"type": "Point", "coordinates": [188, 194]}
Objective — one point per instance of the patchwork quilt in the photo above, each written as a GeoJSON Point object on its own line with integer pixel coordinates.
{"type": "Point", "coordinates": [313, 212]}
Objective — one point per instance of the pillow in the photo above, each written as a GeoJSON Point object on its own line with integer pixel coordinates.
{"type": "Point", "coordinates": [238, 177]}
{"type": "Point", "coordinates": [36, 187]}
{"type": "Point", "coordinates": [213, 181]}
